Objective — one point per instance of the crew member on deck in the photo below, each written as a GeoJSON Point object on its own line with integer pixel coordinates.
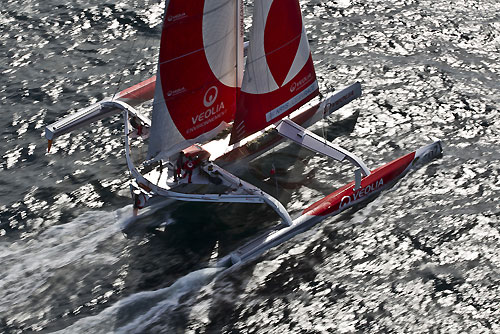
{"type": "Point", "coordinates": [178, 166]}
{"type": "Point", "coordinates": [136, 124]}
{"type": "Point", "coordinates": [188, 168]}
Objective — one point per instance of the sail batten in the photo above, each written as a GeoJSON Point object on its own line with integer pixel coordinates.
{"type": "Point", "coordinates": [180, 57]}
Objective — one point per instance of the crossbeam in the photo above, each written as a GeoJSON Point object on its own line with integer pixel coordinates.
{"type": "Point", "coordinates": [313, 142]}
{"type": "Point", "coordinates": [244, 192]}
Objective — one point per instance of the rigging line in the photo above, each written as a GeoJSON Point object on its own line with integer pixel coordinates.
{"type": "Point", "coordinates": [323, 129]}
{"type": "Point", "coordinates": [137, 56]}
{"type": "Point", "coordinates": [276, 182]}
{"type": "Point", "coordinates": [277, 49]}
{"type": "Point", "coordinates": [121, 75]}
{"type": "Point", "coordinates": [323, 125]}
{"type": "Point", "coordinates": [273, 174]}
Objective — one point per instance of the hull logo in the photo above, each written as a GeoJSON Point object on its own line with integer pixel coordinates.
{"type": "Point", "coordinates": [346, 200]}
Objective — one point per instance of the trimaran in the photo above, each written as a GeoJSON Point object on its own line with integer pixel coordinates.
{"type": "Point", "coordinates": [220, 108]}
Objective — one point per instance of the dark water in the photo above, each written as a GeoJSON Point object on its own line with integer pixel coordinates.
{"type": "Point", "coordinates": [421, 257]}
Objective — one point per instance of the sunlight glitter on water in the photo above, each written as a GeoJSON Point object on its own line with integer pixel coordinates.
{"type": "Point", "coordinates": [420, 257]}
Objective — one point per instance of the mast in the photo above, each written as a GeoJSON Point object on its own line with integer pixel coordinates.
{"type": "Point", "coordinates": [237, 21]}
{"type": "Point", "coordinates": [239, 41]}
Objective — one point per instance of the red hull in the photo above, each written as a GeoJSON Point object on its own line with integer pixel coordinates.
{"type": "Point", "coordinates": [379, 178]}
{"type": "Point", "coordinates": [333, 204]}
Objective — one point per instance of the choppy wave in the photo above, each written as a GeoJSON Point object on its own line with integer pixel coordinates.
{"type": "Point", "coordinates": [40, 275]}
{"type": "Point", "coordinates": [137, 312]}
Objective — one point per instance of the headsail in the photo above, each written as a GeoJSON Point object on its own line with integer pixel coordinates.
{"type": "Point", "coordinates": [279, 74]}
{"type": "Point", "coordinates": [199, 72]}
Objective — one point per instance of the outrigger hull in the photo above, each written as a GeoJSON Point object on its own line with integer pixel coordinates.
{"type": "Point", "coordinates": [333, 204]}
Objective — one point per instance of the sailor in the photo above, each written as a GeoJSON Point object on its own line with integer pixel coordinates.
{"type": "Point", "coordinates": [139, 201]}
{"type": "Point", "coordinates": [136, 124]}
{"type": "Point", "coordinates": [178, 166]}
{"type": "Point", "coordinates": [188, 168]}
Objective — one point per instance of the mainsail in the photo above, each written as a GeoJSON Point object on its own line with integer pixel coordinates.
{"type": "Point", "coordinates": [199, 73]}
{"type": "Point", "coordinates": [279, 73]}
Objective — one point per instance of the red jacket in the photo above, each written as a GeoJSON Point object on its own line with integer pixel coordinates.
{"type": "Point", "coordinates": [189, 165]}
